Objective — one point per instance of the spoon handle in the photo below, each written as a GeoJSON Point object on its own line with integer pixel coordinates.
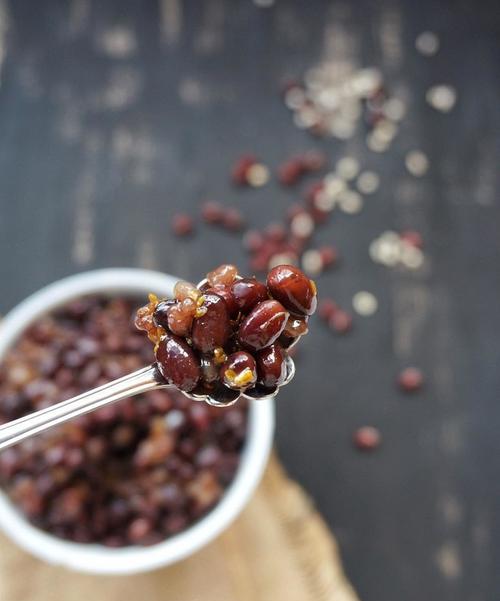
{"type": "Point", "coordinates": [135, 383]}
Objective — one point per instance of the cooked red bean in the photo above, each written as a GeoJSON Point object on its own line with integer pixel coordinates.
{"type": "Point", "coordinates": [209, 369]}
{"type": "Point", "coordinates": [247, 293]}
{"type": "Point", "coordinates": [263, 325]}
{"type": "Point", "coordinates": [295, 291]}
{"type": "Point", "coordinates": [239, 371]}
{"type": "Point", "coordinates": [177, 362]}
{"type": "Point", "coordinates": [271, 366]}
{"type": "Point", "coordinates": [229, 313]}
{"type": "Point", "coordinates": [296, 326]}
{"type": "Point", "coordinates": [211, 329]}
{"type": "Point", "coordinates": [226, 293]}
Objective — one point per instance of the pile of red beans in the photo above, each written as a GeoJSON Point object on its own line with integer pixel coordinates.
{"type": "Point", "coordinates": [132, 473]}
{"type": "Point", "coordinates": [232, 332]}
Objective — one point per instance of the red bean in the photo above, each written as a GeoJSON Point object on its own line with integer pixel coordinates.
{"type": "Point", "coordinates": [259, 262]}
{"type": "Point", "coordinates": [239, 371]}
{"type": "Point", "coordinates": [295, 291]}
{"type": "Point", "coordinates": [160, 315]}
{"type": "Point", "coordinates": [296, 326]}
{"type": "Point", "coordinates": [240, 169]}
{"type": "Point", "coordinates": [247, 293]}
{"type": "Point", "coordinates": [314, 160]}
{"type": "Point", "coordinates": [182, 224]}
{"type": "Point", "coordinates": [410, 379]}
{"type": "Point", "coordinates": [276, 232]}
{"type": "Point", "coordinates": [329, 256]}
{"type": "Point", "coordinates": [340, 321]}
{"type": "Point", "coordinates": [291, 171]}
{"type": "Point", "coordinates": [412, 238]}
{"type": "Point", "coordinates": [367, 438]}
{"type": "Point", "coordinates": [233, 220]}
{"type": "Point", "coordinates": [263, 325]}
{"type": "Point", "coordinates": [327, 308]}
{"type": "Point", "coordinates": [178, 363]}
{"type": "Point", "coordinates": [312, 192]}
{"type": "Point", "coordinates": [294, 210]}
{"type": "Point", "coordinates": [209, 370]}
{"type": "Point", "coordinates": [212, 212]}
{"type": "Point", "coordinates": [319, 215]}
{"type": "Point", "coordinates": [271, 366]}
{"type": "Point", "coordinates": [226, 293]}
{"type": "Point", "coordinates": [253, 240]}
{"type": "Point", "coordinates": [212, 329]}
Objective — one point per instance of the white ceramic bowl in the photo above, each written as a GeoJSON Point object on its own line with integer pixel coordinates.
{"type": "Point", "coordinates": [98, 559]}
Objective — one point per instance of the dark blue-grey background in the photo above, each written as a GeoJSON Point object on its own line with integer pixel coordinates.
{"type": "Point", "coordinates": [116, 114]}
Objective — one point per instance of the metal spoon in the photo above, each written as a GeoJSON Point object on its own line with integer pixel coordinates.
{"type": "Point", "coordinates": [140, 381]}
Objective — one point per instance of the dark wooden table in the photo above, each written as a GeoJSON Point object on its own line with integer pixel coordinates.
{"type": "Point", "coordinates": [115, 115]}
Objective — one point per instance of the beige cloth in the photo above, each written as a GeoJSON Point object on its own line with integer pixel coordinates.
{"type": "Point", "coordinates": [279, 549]}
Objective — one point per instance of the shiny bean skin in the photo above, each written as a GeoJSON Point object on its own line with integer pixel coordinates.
{"type": "Point", "coordinates": [178, 363]}
{"type": "Point", "coordinates": [239, 371]}
{"type": "Point", "coordinates": [296, 326]}
{"type": "Point", "coordinates": [160, 315]}
{"type": "Point", "coordinates": [212, 329]}
{"type": "Point", "coordinates": [247, 293]}
{"type": "Point", "coordinates": [263, 325]}
{"type": "Point", "coordinates": [226, 293]}
{"type": "Point", "coordinates": [271, 366]}
{"type": "Point", "coordinates": [295, 291]}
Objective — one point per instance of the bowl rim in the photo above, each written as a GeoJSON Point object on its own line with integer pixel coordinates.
{"type": "Point", "coordinates": [98, 559]}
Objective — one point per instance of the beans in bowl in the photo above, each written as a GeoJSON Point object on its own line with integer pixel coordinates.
{"type": "Point", "coordinates": [132, 473]}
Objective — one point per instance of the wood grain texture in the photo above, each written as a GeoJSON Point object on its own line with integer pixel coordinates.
{"type": "Point", "coordinates": [114, 115]}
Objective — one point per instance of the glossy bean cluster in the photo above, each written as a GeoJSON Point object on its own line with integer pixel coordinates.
{"type": "Point", "coordinates": [132, 473]}
{"type": "Point", "coordinates": [233, 331]}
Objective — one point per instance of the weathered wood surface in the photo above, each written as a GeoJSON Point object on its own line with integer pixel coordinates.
{"type": "Point", "coordinates": [113, 115]}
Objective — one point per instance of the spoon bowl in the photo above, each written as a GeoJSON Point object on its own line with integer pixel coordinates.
{"type": "Point", "coordinates": [223, 396]}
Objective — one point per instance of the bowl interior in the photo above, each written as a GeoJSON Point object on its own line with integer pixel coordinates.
{"type": "Point", "coordinates": [96, 558]}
